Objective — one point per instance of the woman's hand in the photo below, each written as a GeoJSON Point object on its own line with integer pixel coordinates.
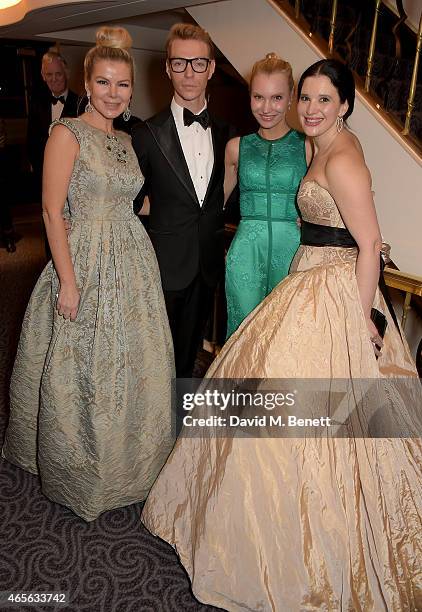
{"type": "Point", "coordinates": [68, 301]}
{"type": "Point", "coordinates": [376, 339]}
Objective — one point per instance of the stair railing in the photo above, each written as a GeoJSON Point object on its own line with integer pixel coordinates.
{"type": "Point", "coordinates": [332, 26]}
{"type": "Point", "coordinates": [372, 45]}
{"type": "Point", "coordinates": [306, 17]}
{"type": "Point", "coordinates": [412, 91]}
{"type": "Point", "coordinates": [384, 85]}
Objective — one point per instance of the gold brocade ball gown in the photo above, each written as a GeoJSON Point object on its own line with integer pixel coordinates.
{"type": "Point", "coordinates": [300, 524]}
{"type": "Point", "coordinates": [91, 399]}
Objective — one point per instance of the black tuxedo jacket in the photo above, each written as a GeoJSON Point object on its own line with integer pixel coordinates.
{"type": "Point", "coordinates": [187, 238]}
{"type": "Point", "coordinates": [39, 120]}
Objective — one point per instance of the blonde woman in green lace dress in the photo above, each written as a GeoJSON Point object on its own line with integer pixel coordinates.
{"type": "Point", "coordinates": [268, 165]}
{"type": "Point", "coordinates": [91, 386]}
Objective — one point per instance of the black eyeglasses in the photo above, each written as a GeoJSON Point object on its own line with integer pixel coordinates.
{"type": "Point", "coordinates": [199, 64]}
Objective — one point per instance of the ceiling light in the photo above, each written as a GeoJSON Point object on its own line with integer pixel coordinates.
{"type": "Point", "coordinates": [6, 3]}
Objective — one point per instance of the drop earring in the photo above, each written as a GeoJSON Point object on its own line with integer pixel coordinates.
{"type": "Point", "coordinates": [89, 108]}
{"type": "Point", "coordinates": [127, 114]}
{"type": "Point", "coordinates": [339, 124]}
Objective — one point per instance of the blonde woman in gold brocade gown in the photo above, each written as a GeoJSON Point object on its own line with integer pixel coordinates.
{"type": "Point", "coordinates": [313, 522]}
{"type": "Point", "coordinates": [91, 386]}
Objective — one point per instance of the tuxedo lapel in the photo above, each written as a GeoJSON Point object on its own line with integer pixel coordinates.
{"type": "Point", "coordinates": [45, 112]}
{"type": "Point", "coordinates": [65, 109]}
{"type": "Point", "coordinates": [219, 148]}
{"type": "Point", "coordinates": [69, 106]}
{"type": "Point", "coordinates": [167, 139]}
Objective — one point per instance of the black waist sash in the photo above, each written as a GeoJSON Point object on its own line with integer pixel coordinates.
{"type": "Point", "coordinates": [324, 235]}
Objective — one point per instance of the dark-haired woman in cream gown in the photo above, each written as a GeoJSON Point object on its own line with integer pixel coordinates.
{"type": "Point", "coordinates": [310, 523]}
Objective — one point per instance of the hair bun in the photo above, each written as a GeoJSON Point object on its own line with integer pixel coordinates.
{"type": "Point", "coordinates": [271, 56]}
{"type": "Point", "coordinates": [117, 38]}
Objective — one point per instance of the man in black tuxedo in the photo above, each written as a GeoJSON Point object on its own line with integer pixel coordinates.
{"type": "Point", "coordinates": [55, 102]}
{"type": "Point", "coordinates": [181, 154]}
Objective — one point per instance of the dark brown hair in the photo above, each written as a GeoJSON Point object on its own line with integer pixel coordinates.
{"type": "Point", "coordinates": [340, 76]}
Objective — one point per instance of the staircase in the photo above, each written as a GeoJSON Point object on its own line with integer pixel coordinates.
{"type": "Point", "coordinates": [394, 52]}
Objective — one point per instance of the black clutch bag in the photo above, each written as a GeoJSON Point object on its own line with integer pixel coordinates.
{"type": "Point", "coordinates": [379, 320]}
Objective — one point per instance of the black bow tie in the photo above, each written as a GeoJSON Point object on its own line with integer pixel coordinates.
{"type": "Point", "coordinates": [54, 100]}
{"type": "Point", "coordinates": [203, 118]}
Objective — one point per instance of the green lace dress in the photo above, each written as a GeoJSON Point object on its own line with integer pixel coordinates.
{"type": "Point", "coordinates": [268, 235]}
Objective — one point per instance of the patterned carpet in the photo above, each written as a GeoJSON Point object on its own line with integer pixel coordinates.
{"type": "Point", "coordinates": [110, 565]}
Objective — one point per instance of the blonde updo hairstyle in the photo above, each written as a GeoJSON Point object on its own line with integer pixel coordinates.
{"type": "Point", "coordinates": [112, 44]}
{"type": "Point", "coordinates": [270, 64]}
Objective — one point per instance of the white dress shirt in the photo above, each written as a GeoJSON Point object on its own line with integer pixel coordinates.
{"type": "Point", "coordinates": [57, 109]}
{"type": "Point", "coordinates": [197, 149]}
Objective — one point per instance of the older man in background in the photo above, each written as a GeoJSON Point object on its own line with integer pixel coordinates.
{"type": "Point", "coordinates": [56, 101]}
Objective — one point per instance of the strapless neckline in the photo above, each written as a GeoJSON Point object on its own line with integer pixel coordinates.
{"type": "Point", "coordinates": [317, 205]}
{"type": "Point", "coordinates": [318, 184]}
